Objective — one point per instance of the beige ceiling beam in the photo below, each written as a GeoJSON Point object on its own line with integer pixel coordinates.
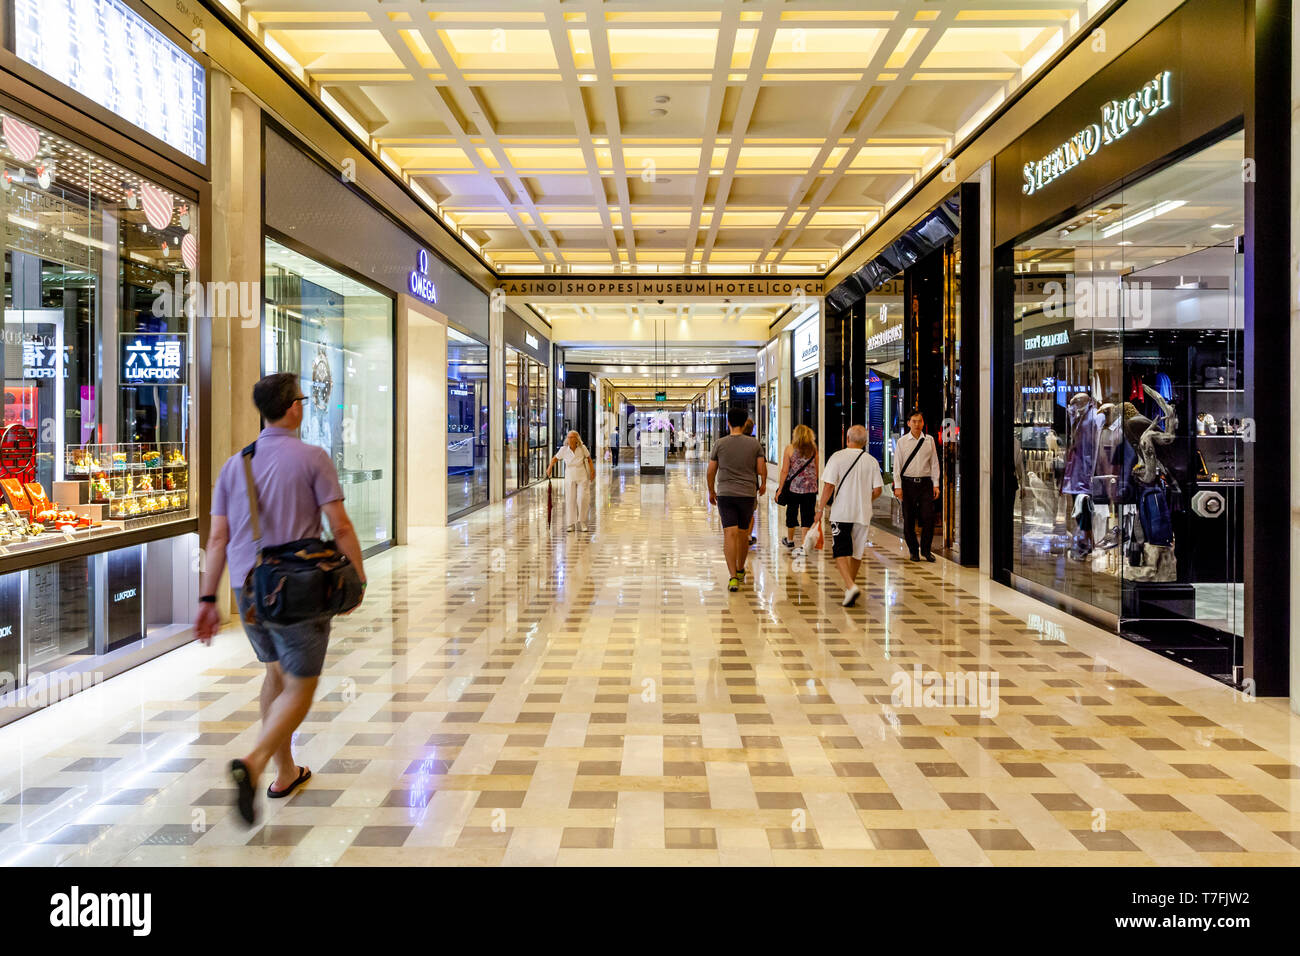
{"type": "Point", "coordinates": [839, 130]}
{"type": "Point", "coordinates": [474, 107]}
{"type": "Point", "coordinates": [433, 95]}
{"type": "Point", "coordinates": [879, 109]}
{"type": "Point", "coordinates": [767, 26]}
{"type": "Point", "coordinates": [712, 119]}
{"type": "Point", "coordinates": [604, 65]}
{"type": "Point", "coordinates": [557, 27]}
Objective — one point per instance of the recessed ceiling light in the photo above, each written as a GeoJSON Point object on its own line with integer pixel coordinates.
{"type": "Point", "coordinates": [1221, 225]}
{"type": "Point", "coordinates": [659, 111]}
{"type": "Point", "coordinates": [661, 98]}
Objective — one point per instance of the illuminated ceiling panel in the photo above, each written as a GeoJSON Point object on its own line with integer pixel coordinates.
{"type": "Point", "coordinates": [743, 137]}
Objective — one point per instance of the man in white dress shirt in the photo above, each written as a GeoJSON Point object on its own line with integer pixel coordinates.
{"type": "Point", "coordinates": [916, 485]}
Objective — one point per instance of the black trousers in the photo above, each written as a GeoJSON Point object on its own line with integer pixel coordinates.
{"type": "Point", "coordinates": [918, 505]}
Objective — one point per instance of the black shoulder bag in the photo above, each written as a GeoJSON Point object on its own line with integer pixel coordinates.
{"type": "Point", "coordinates": [915, 448]}
{"type": "Point", "coordinates": [782, 496]}
{"type": "Point", "coordinates": [299, 581]}
{"type": "Point", "coordinates": [831, 500]}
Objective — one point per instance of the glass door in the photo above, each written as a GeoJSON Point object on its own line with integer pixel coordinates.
{"type": "Point", "coordinates": [513, 457]}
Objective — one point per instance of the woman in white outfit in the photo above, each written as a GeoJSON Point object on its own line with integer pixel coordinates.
{"type": "Point", "coordinates": [579, 473]}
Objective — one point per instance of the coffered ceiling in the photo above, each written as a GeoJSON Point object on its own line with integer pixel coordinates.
{"type": "Point", "coordinates": [644, 136]}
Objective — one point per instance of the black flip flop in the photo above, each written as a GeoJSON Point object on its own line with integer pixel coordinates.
{"type": "Point", "coordinates": [303, 776]}
{"type": "Point", "coordinates": [244, 782]}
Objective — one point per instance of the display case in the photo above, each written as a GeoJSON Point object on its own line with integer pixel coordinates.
{"type": "Point", "coordinates": [98, 411]}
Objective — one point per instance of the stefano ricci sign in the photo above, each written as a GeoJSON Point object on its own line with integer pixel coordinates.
{"type": "Point", "coordinates": [1118, 118]}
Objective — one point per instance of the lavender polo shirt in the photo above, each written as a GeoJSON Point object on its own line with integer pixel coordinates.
{"type": "Point", "coordinates": [294, 481]}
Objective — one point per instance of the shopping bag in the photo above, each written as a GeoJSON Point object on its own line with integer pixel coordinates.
{"type": "Point", "coordinates": [550, 502]}
{"type": "Point", "coordinates": [810, 540]}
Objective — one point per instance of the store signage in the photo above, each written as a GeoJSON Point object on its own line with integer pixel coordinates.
{"type": "Point", "coordinates": [40, 360]}
{"type": "Point", "coordinates": [762, 287]}
{"type": "Point", "coordinates": [743, 389]}
{"type": "Point", "coordinates": [1047, 341]}
{"type": "Point", "coordinates": [807, 346]}
{"type": "Point", "coordinates": [422, 286]}
{"type": "Point", "coordinates": [892, 334]}
{"type": "Point", "coordinates": [661, 396]}
{"type": "Point", "coordinates": [110, 54]}
{"type": "Point", "coordinates": [152, 358]}
{"type": "Point", "coordinates": [121, 596]}
{"type": "Point", "coordinates": [1118, 117]}
{"type": "Point", "coordinates": [531, 340]}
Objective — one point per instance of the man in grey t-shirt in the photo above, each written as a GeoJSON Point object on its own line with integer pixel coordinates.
{"type": "Point", "coordinates": [737, 474]}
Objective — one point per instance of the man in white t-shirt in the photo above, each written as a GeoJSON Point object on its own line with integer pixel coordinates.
{"type": "Point", "coordinates": [853, 477]}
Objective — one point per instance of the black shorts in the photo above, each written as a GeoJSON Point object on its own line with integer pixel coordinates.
{"type": "Point", "coordinates": [848, 540]}
{"type": "Point", "coordinates": [801, 509]}
{"type": "Point", "coordinates": [736, 512]}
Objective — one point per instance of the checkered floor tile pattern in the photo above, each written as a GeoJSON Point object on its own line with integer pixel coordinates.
{"type": "Point", "coordinates": [512, 694]}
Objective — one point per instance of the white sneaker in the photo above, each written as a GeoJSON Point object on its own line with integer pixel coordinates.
{"type": "Point", "coordinates": [583, 526]}
{"type": "Point", "coordinates": [797, 553]}
{"type": "Point", "coordinates": [568, 527]}
{"type": "Point", "coordinates": [851, 596]}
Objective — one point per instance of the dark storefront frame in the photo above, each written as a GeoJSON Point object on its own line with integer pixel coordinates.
{"type": "Point", "coordinates": [116, 643]}
{"type": "Point", "coordinates": [922, 267]}
{"type": "Point", "coordinates": [1220, 87]}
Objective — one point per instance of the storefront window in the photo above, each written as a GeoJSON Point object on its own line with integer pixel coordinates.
{"type": "Point", "coordinates": [515, 465]}
{"type": "Point", "coordinates": [467, 423]}
{"type": "Point", "coordinates": [97, 361]}
{"type": "Point", "coordinates": [1128, 425]}
{"type": "Point", "coordinates": [337, 334]}
{"type": "Point", "coordinates": [539, 450]}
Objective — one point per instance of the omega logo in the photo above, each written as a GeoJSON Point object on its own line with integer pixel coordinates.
{"type": "Point", "coordinates": [421, 285]}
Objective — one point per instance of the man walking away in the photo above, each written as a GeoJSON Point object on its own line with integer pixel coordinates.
{"type": "Point", "coordinates": [851, 482]}
{"type": "Point", "coordinates": [917, 486]}
{"type": "Point", "coordinates": [296, 484]}
{"type": "Point", "coordinates": [737, 474]}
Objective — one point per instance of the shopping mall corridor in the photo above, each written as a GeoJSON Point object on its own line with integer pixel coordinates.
{"type": "Point", "coordinates": [512, 694]}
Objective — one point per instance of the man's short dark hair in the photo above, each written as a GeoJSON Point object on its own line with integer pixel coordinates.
{"type": "Point", "coordinates": [275, 394]}
{"type": "Point", "coordinates": [917, 413]}
{"type": "Point", "coordinates": [737, 415]}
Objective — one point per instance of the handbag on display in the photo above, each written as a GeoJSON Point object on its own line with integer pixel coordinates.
{"type": "Point", "coordinates": [1154, 512]}
{"type": "Point", "coordinates": [783, 496]}
{"type": "Point", "coordinates": [299, 581]}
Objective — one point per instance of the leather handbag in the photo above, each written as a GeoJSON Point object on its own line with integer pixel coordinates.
{"type": "Point", "coordinates": [783, 496]}
{"type": "Point", "coordinates": [299, 581]}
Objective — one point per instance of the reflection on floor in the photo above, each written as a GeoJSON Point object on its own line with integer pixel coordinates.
{"type": "Point", "coordinates": [514, 694]}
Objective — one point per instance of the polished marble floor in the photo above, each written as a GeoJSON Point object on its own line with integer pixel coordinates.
{"type": "Point", "coordinates": [512, 694]}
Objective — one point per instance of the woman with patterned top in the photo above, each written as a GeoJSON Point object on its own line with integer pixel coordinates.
{"type": "Point", "coordinates": [800, 461]}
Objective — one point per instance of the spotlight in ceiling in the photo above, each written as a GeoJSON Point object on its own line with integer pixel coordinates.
{"type": "Point", "coordinates": [661, 98]}
{"type": "Point", "coordinates": [659, 111]}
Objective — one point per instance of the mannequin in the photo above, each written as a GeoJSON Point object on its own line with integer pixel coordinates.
{"type": "Point", "coordinates": [1080, 466]}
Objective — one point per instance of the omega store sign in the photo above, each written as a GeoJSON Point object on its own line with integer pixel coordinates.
{"type": "Point", "coordinates": [1184, 80]}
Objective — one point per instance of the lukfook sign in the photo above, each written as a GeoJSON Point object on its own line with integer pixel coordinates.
{"type": "Point", "coordinates": [1118, 117]}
